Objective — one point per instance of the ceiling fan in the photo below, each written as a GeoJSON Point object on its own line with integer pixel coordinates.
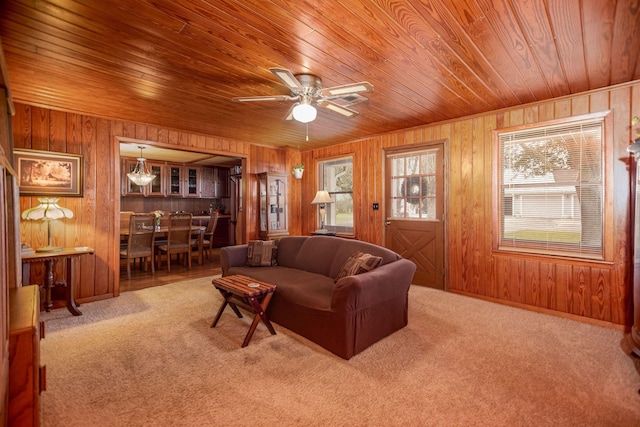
{"type": "Point", "coordinates": [307, 92]}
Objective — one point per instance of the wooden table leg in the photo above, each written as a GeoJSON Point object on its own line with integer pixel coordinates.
{"type": "Point", "coordinates": [200, 247]}
{"type": "Point", "coordinates": [227, 300]}
{"type": "Point", "coordinates": [48, 284]}
{"type": "Point", "coordinates": [72, 306]}
{"type": "Point", "coordinates": [259, 308]}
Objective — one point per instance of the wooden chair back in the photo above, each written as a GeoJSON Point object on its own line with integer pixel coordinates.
{"type": "Point", "coordinates": [124, 219]}
{"type": "Point", "coordinates": [179, 233]}
{"type": "Point", "coordinates": [142, 234]}
{"type": "Point", "coordinates": [211, 227]}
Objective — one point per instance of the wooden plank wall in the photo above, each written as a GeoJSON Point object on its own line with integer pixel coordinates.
{"type": "Point", "coordinates": [597, 291]}
{"type": "Point", "coordinates": [96, 220]}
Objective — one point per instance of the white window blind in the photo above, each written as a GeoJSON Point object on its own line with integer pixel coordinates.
{"type": "Point", "coordinates": [336, 176]}
{"type": "Point", "coordinates": [551, 189]}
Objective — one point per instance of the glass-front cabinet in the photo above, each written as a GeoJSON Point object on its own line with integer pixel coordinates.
{"type": "Point", "coordinates": [192, 181]}
{"type": "Point", "coordinates": [273, 205]}
{"type": "Point", "coordinates": [172, 180]}
{"type": "Point", "coordinates": [157, 186]}
{"type": "Point", "coordinates": [175, 180]}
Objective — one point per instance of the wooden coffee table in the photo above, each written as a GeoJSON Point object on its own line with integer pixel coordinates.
{"type": "Point", "coordinates": [250, 294]}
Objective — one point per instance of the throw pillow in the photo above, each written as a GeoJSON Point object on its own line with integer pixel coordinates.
{"type": "Point", "coordinates": [262, 253]}
{"type": "Point", "coordinates": [358, 263]}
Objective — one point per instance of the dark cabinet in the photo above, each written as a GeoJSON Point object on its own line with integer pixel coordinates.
{"type": "Point", "coordinates": [221, 182]}
{"type": "Point", "coordinates": [208, 190]}
{"type": "Point", "coordinates": [221, 234]}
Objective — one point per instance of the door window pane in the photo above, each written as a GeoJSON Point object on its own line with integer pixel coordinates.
{"type": "Point", "coordinates": [413, 185]}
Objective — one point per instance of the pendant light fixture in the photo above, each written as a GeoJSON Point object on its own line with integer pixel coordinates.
{"type": "Point", "coordinates": [140, 175]}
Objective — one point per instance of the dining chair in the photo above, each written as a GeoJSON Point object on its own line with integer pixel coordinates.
{"type": "Point", "coordinates": [178, 239]}
{"type": "Point", "coordinates": [124, 225]}
{"type": "Point", "coordinates": [140, 242]}
{"type": "Point", "coordinates": [207, 242]}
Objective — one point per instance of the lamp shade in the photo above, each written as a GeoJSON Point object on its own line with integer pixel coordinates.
{"type": "Point", "coordinates": [322, 197]}
{"type": "Point", "coordinates": [304, 112]}
{"type": "Point", "coordinates": [140, 175]}
{"type": "Point", "coordinates": [48, 209]}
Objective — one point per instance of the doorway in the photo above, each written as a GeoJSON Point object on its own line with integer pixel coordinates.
{"type": "Point", "coordinates": [414, 209]}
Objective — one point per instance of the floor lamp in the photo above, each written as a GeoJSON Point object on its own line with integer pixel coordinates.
{"type": "Point", "coordinates": [48, 210]}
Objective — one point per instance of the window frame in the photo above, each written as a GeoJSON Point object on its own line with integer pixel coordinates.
{"type": "Point", "coordinates": [556, 249]}
{"type": "Point", "coordinates": [341, 230]}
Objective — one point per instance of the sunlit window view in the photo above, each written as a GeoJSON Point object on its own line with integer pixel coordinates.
{"type": "Point", "coordinates": [413, 185]}
{"type": "Point", "coordinates": [336, 176]}
{"type": "Point", "coordinates": [551, 189]}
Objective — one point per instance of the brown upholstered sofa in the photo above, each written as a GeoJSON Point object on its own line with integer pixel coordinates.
{"type": "Point", "coordinates": [344, 317]}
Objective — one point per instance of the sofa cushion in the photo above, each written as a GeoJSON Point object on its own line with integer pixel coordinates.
{"type": "Point", "coordinates": [297, 287]}
{"type": "Point", "coordinates": [358, 263]}
{"type": "Point", "coordinates": [262, 253]}
{"type": "Point", "coordinates": [325, 254]}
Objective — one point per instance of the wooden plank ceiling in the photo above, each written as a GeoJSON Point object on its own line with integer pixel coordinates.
{"type": "Point", "coordinates": [178, 63]}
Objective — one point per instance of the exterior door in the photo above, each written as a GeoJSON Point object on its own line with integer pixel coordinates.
{"type": "Point", "coordinates": [414, 208]}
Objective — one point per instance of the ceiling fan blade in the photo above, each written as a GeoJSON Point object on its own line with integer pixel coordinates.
{"type": "Point", "coordinates": [289, 115]}
{"type": "Point", "coordinates": [288, 79]}
{"type": "Point", "coordinates": [347, 89]}
{"type": "Point", "coordinates": [332, 106]}
{"type": "Point", "coordinates": [263, 98]}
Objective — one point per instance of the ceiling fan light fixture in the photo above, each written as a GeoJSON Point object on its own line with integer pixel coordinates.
{"type": "Point", "coordinates": [304, 112]}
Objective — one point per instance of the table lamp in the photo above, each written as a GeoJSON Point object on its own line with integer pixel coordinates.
{"type": "Point", "coordinates": [47, 210]}
{"type": "Point", "coordinates": [322, 198]}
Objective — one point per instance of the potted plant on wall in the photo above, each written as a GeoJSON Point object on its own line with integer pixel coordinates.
{"type": "Point", "coordinates": [297, 171]}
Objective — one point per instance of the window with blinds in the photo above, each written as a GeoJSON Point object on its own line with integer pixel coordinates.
{"type": "Point", "coordinates": [551, 183]}
{"type": "Point", "coordinates": [336, 176]}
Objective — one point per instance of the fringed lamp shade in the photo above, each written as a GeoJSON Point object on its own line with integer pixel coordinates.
{"type": "Point", "coordinates": [47, 210]}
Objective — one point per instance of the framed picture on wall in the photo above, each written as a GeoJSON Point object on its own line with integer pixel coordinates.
{"type": "Point", "coordinates": [47, 173]}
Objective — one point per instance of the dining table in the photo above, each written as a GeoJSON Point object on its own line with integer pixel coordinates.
{"type": "Point", "coordinates": [163, 232]}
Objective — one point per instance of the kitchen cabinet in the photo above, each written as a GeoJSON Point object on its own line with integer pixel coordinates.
{"type": "Point", "coordinates": [155, 188]}
{"type": "Point", "coordinates": [208, 188]}
{"type": "Point", "coordinates": [221, 236]}
{"type": "Point", "coordinates": [273, 205]}
{"type": "Point", "coordinates": [175, 180]}
{"type": "Point", "coordinates": [178, 180]}
{"type": "Point", "coordinates": [222, 179]}
{"type": "Point", "coordinates": [192, 181]}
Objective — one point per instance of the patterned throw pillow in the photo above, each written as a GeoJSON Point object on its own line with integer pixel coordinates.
{"type": "Point", "coordinates": [261, 253]}
{"type": "Point", "coordinates": [358, 263]}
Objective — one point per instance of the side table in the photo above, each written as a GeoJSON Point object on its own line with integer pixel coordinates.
{"type": "Point", "coordinates": [250, 294]}
{"type": "Point", "coordinates": [68, 254]}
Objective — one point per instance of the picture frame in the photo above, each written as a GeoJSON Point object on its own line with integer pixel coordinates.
{"type": "Point", "coordinates": [48, 173]}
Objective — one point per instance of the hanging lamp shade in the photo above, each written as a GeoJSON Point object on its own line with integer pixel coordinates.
{"type": "Point", "coordinates": [140, 175]}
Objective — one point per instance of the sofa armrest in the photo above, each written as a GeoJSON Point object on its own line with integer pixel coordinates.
{"type": "Point", "coordinates": [232, 256]}
{"type": "Point", "coordinates": [373, 287]}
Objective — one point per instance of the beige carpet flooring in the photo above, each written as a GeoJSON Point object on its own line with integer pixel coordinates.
{"type": "Point", "coordinates": [149, 358]}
